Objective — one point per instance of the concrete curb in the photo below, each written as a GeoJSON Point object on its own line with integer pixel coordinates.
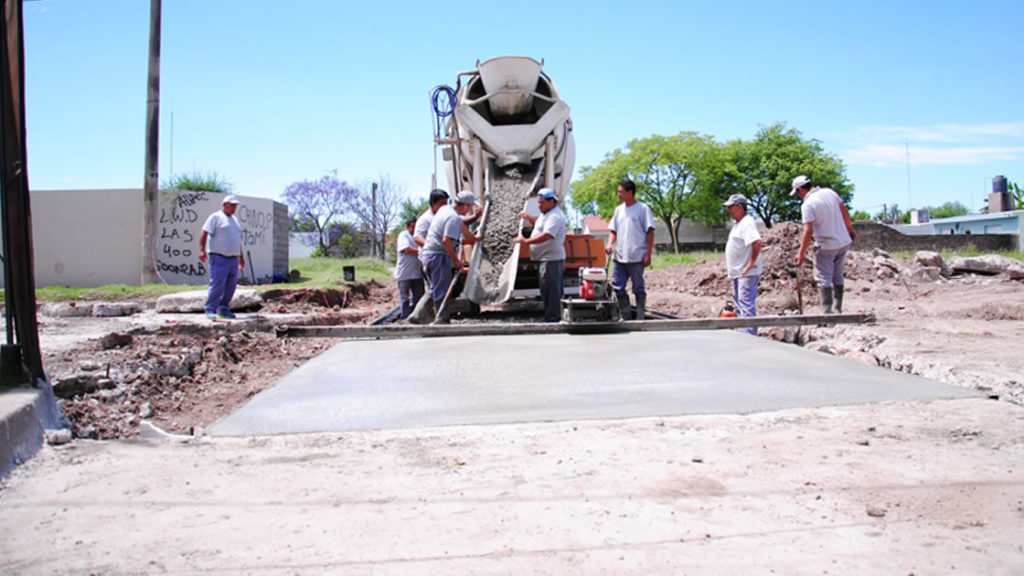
{"type": "Point", "coordinates": [25, 416]}
{"type": "Point", "coordinates": [21, 430]}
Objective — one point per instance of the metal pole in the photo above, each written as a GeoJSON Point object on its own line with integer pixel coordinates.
{"type": "Point", "coordinates": [151, 194]}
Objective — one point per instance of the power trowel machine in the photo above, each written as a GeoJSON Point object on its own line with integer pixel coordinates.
{"type": "Point", "coordinates": [596, 302]}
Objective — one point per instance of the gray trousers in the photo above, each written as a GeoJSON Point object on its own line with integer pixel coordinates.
{"type": "Point", "coordinates": [829, 265]}
{"type": "Point", "coordinates": [551, 273]}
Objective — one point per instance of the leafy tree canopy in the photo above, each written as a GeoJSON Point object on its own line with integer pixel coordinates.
{"type": "Point", "coordinates": [949, 210]}
{"type": "Point", "coordinates": [665, 170]}
{"type": "Point", "coordinates": [763, 170]}
{"type": "Point", "coordinates": [318, 203]}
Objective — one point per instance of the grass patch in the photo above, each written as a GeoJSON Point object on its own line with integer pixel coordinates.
{"type": "Point", "coordinates": [323, 272]}
{"type": "Point", "coordinates": [313, 273]}
{"type": "Point", "coordinates": [668, 259]}
{"type": "Point", "coordinates": [969, 252]}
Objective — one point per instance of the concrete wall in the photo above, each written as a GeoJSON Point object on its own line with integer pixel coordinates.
{"type": "Point", "coordinates": [871, 235]}
{"type": "Point", "coordinates": [88, 238]}
{"type": "Point", "coordinates": [693, 235]}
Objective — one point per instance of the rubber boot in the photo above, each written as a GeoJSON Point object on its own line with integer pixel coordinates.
{"type": "Point", "coordinates": [641, 307]}
{"type": "Point", "coordinates": [624, 310]}
{"type": "Point", "coordinates": [826, 299]}
{"type": "Point", "coordinates": [837, 291]}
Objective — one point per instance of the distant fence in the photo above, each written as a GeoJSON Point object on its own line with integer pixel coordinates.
{"type": "Point", "coordinates": [871, 235]}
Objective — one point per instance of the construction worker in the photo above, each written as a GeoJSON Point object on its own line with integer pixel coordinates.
{"type": "Point", "coordinates": [631, 239]}
{"type": "Point", "coordinates": [743, 258]}
{"type": "Point", "coordinates": [828, 222]}
{"type": "Point", "coordinates": [408, 272]}
{"type": "Point", "coordinates": [442, 251]}
{"type": "Point", "coordinates": [221, 243]}
{"type": "Point", "coordinates": [547, 249]}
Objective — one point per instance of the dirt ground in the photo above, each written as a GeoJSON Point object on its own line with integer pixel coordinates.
{"type": "Point", "coordinates": [887, 488]}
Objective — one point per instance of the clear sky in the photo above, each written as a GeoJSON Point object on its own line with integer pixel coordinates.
{"type": "Point", "coordinates": [920, 99]}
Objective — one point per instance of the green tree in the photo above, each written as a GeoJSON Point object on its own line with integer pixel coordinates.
{"type": "Point", "coordinates": [411, 209]}
{"type": "Point", "coordinates": [199, 182]}
{"type": "Point", "coordinates": [860, 215]}
{"type": "Point", "coordinates": [949, 210]}
{"type": "Point", "coordinates": [763, 170]}
{"type": "Point", "coordinates": [664, 169]}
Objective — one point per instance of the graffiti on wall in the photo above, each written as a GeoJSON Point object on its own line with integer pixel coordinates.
{"type": "Point", "coordinates": [180, 220]}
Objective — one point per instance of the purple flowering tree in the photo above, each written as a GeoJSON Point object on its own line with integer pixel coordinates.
{"type": "Point", "coordinates": [317, 204]}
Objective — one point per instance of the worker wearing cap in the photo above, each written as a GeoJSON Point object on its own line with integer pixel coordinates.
{"type": "Point", "coordinates": [442, 250]}
{"type": "Point", "coordinates": [828, 222]}
{"type": "Point", "coordinates": [220, 242]}
{"type": "Point", "coordinates": [631, 240]}
{"type": "Point", "coordinates": [408, 272]}
{"type": "Point", "coordinates": [547, 249]}
{"type": "Point", "coordinates": [743, 258]}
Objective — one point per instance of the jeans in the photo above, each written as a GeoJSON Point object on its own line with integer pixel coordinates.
{"type": "Point", "coordinates": [632, 271]}
{"type": "Point", "coordinates": [744, 293]}
{"type": "Point", "coordinates": [439, 272]}
{"type": "Point", "coordinates": [223, 280]}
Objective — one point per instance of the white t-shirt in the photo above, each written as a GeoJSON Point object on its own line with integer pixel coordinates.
{"type": "Point", "coordinates": [552, 222]}
{"type": "Point", "coordinates": [822, 207]}
{"type": "Point", "coordinates": [407, 266]}
{"type": "Point", "coordinates": [740, 245]}
{"type": "Point", "coordinates": [446, 223]}
{"type": "Point", "coordinates": [225, 234]}
{"type": "Point", "coordinates": [630, 224]}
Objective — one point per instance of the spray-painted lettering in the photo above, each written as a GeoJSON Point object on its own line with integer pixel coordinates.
{"type": "Point", "coordinates": [190, 198]}
{"type": "Point", "coordinates": [196, 269]}
{"type": "Point", "coordinates": [181, 218]}
{"type": "Point", "coordinates": [176, 216]}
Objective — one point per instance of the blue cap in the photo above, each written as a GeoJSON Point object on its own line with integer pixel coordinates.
{"type": "Point", "coordinates": [547, 193]}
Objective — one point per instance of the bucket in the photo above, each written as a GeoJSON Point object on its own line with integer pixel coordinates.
{"type": "Point", "coordinates": [349, 272]}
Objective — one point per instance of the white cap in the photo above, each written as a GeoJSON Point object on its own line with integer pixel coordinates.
{"type": "Point", "coordinates": [799, 182]}
{"type": "Point", "coordinates": [230, 199]}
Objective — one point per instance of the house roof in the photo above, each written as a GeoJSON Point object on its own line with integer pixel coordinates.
{"type": "Point", "coordinates": [595, 224]}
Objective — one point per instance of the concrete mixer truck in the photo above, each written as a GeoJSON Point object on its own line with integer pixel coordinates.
{"type": "Point", "coordinates": [505, 132]}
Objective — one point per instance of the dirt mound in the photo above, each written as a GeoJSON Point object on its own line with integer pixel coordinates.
{"type": "Point", "coordinates": [356, 295]}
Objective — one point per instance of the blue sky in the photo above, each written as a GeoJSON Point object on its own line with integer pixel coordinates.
{"type": "Point", "coordinates": [921, 100]}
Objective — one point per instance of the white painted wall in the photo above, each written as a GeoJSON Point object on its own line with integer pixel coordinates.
{"type": "Point", "coordinates": [88, 238]}
{"type": "Point", "coordinates": [85, 238]}
{"type": "Point", "coordinates": [180, 219]}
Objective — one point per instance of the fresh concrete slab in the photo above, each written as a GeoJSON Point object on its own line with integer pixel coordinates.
{"type": "Point", "coordinates": [370, 384]}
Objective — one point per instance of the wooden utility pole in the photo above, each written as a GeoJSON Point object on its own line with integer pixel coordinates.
{"type": "Point", "coordinates": [151, 194]}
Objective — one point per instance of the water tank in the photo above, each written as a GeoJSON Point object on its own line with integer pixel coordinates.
{"type": "Point", "coordinates": [999, 184]}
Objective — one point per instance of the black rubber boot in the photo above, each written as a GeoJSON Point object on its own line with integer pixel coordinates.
{"type": "Point", "coordinates": [624, 309]}
{"type": "Point", "coordinates": [641, 307]}
{"type": "Point", "coordinates": [837, 291]}
{"type": "Point", "coordinates": [826, 300]}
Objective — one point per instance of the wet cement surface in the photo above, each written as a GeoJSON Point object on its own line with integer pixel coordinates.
{"type": "Point", "coordinates": [381, 384]}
